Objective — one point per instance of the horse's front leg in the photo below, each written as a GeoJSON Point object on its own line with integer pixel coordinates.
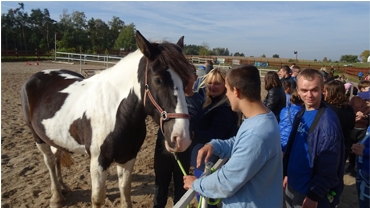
{"type": "Point", "coordinates": [98, 178]}
{"type": "Point", "coordinates": [57, 198]}
{"type": "Point", "coordinates": [124, 172]}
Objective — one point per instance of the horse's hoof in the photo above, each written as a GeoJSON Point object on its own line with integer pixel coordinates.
{"type": "Point", "coordinates": [56, 204]}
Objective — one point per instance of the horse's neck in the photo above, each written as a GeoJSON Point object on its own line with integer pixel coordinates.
{"type": "Point", "coordinates": [123, 75]}
{"type": "Point", "coordinates": [118, 81]}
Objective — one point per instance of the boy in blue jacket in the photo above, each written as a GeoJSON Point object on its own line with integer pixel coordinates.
{"type": "Point", "coordinates": [314, 157]}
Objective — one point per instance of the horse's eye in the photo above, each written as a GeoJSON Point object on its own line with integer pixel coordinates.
{"type": "Point", "coordinates": [158, 81]}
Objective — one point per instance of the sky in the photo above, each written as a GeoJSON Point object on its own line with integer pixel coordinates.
{"type": "Point", "coordinates": [314, 29]}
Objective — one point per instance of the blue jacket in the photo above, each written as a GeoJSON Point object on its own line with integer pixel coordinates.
{"type": "Point", "coordinates": [287, 115]}
{"type": "Point", "coordinates": [326, 151]}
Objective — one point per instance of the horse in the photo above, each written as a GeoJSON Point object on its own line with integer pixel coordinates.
{"type": "Point", "coordinates": [104, 115]}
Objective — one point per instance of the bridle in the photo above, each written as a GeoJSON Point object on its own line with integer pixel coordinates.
{"type": "Point", "coordinates": [164, 115]}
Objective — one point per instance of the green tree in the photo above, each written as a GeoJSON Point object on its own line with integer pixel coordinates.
{"type": "Point", "coordinates": [126, 38]}
{"type": "Point", "coordinates": [239, 54]}
{"type": "Point", "coordinates": [349, 58]}
{"type": "Point", "coordinates": [115, 26]}
{"type": "Point", "coordinates": [43, 29]}
{"type": "Point", "coordinates": [275, 56]}
{"type": "Point", "coordinates": [204, 50]}
{"type": "Point", "coordinates": [263, 56]}
{"type": "Point", "coordinates": [364, 55]}
{"type": "Point", "coordinates": [98, 34]}
{"type": "Point", "coordinates": [325, 59]}
{"type": "Point", "coordinates": [73, 28]}
{"type": "Point", "coordinates": [191, 49]}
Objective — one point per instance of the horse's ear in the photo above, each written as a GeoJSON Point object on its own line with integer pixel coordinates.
{"type": "Point", "coordinates": [181, 42]}
{"type": "Point", "coordinates": [145, 46]}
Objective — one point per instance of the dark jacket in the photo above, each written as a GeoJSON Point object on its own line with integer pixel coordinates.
{"type": "Point", "coordinates": [275, 100]}
{"type": "Point", "coordinates": [215, 122]}
{"type": "Point", "coordinates": [346, 118]}
{"type": "Point", "coordinates": [359, 104]}
{"type": "Point", "coordinates": [326, 151]}
{"type": "Point", "coordinates": [291, 80]}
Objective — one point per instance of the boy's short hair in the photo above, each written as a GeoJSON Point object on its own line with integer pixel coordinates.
{"type": "Point", "coordinates": [245, 78]}
{"type": "Point", "coordinates": [310, 74]}
{"type": "Point", "coordinates": [285, 68]}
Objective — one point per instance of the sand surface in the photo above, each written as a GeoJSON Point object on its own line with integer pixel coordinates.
{"type": "Point", "coordinates": [25, 180]}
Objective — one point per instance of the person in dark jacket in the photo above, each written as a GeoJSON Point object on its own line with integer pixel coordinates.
{"type": "Point", "coordinates": [275, 99]}
{"type": "Point", "coordinates": [284, 74]}
{"type": "Point", "coordinates": [216, 120]}
{"type": "Point", "coordinates": [335, 98]}
{"type": "Point", "coordinates": [208, 66]}
{"type": "Point", "coordinates": [314, 159]}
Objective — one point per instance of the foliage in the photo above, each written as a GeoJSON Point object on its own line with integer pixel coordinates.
{"type": "Point", "coordinates": [263, 56]}
{"type": "Point", "coordinates": [364, 55]}
{"type": "Point", "coordinates": [349, 58]}
{"type": "Point", "coordinates": [238, 54]}
{"type": "Point", "coordinates": [325, 59]}
{"type": "Point", "coordinates": [220, 52]}
{"type": "Point", "coordinates": [275, 56]}
{"type": "Point", "coordinates": [126, 38]}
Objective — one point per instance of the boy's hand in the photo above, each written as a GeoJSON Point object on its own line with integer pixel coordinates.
{"type": "Point", "coordinates": [188, 181]}
{"type": "Point", "coordinates": [206, 150]}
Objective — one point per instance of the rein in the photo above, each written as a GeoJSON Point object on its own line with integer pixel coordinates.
{"type": "Point", "coordinates": [164, 115]}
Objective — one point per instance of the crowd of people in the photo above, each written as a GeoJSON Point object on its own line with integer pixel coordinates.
{"type": "Point", "coordinates": [288, 149]}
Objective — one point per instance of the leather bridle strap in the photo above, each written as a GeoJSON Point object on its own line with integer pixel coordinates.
{"type": "Point", "coordinates": [164, 115]}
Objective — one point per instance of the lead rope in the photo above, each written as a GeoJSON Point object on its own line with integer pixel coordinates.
{"type": "Point", "coordinates": [184, 173]}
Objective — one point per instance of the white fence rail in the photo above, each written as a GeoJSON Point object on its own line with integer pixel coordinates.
{"type": "Point", "coordinates": [85, 58]}
{"type": "Point", "coordinates": [107, 60]}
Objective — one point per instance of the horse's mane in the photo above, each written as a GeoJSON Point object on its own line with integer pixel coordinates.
{"type": "Point", "coordinates": [171, 54]}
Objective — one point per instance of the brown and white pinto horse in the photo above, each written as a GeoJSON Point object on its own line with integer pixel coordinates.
{"type": "Point", "coordinates": [104, 116]}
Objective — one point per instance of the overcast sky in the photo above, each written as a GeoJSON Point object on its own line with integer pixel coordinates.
{"type": "Point", "coordinates": [315, 29]}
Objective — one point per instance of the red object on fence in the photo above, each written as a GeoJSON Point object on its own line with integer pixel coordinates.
{"type": "Point", "coordinates": [37, 63]}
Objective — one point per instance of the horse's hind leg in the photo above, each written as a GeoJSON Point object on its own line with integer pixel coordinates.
{"type": "Point", "coordinates": [58, 156]}
{"type": "Point", "coordinates": [57, 198]}
{"type": "Point", "coordinates": [124, 172]}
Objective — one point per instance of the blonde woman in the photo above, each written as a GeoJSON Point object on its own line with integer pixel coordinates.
{"type": "Point", "coordinates": [216, 120]}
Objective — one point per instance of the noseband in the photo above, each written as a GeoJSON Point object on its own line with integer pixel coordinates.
{"type": "Point", "coordinates": [164, 115]}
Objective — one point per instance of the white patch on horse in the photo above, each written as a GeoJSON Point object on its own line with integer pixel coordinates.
{"type": "Point", "coordinates": [181, 107]}
{"type": "Point", "coordinates": [97, 97]}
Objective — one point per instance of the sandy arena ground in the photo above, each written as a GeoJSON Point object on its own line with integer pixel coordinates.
{"type": "Point", "coordinates": [25, 180]}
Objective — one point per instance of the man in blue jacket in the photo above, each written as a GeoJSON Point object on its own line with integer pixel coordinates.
{"type": "Point", "coordinates": [314, 158]}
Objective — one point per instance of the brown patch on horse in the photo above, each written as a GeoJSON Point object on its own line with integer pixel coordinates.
{"type": "Point", "coordinates": [81, 131]}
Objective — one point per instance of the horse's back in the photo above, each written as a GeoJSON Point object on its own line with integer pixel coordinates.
{"type": "Point", "coordinates": [39, 94]}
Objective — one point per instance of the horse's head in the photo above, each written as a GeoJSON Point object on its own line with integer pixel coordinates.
{"type": "Point", "coordinates": [164, 71]}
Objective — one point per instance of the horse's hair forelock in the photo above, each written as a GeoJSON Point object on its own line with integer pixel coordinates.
{"type": "Point", "coordinates": [171, 55]}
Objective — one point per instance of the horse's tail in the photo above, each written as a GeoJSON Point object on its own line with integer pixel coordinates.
{"type": "Point", "coordinates": [66, 160]}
